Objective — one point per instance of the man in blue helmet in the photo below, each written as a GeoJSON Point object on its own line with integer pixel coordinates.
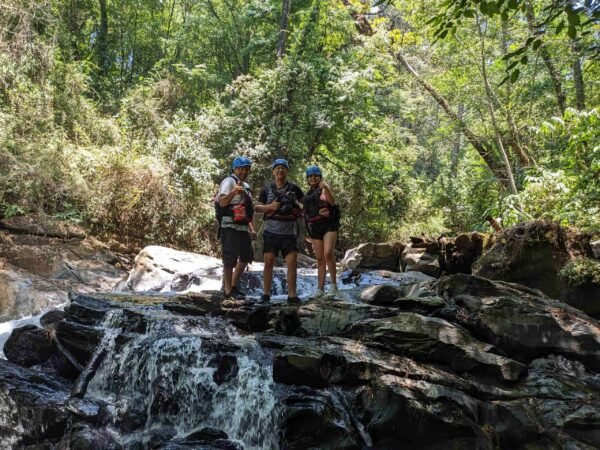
{"type": "Point", "coordinates": [235, 201]}
{"type": "Point", "coordinates": [279, 201]}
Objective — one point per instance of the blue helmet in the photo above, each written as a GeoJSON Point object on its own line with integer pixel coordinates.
{"type": "Point", "coordinates": [280, 162]}
{"type": "Point", "coordinates": [241, 161]}
{"type": "Point", "coordinates": [313, 170]}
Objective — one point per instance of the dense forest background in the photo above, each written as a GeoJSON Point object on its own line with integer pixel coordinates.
{"type": "Point", "coordinates": [426, 117]}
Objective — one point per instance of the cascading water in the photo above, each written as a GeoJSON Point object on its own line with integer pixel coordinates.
{"type": "Point", "coordinates": [189, 374]}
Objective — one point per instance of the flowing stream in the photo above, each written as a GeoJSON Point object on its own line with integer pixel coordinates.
{"type": "Point", "coordinates": [189, 373]}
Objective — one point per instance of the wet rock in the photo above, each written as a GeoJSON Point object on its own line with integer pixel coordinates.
{"type": "Point", "coordinates": [247, 315]}
{"type": "Point", "coordinates": [393, 278]}
{"type": "Point", "coordinates": [373, 256]}
{"type": "Point", "coordinates": [421, 258]}
{"type": "Point", "coordinates": [533, 254]}
{"type": "Point", "coordinates": [32, 406]}
{"type": "Point", "coordinates": [28, 346]}
{"type": "Point", "coordinates": [521, 321]}
{"type": "Point", "coordinates": [206, 438]}
{"type": "Point", "coordinates": [321, 318]}
{"type": "Point", "coordinates": [86, 309]}
{"type": "Point", "coordinates": [419, 415]}
{"type": "Point", "coordinates": [317, 419]}
{"type": "Point", "coordinates": [325, 361]}
{"type": "Point", "coordinates": [51, 318]}
{"type": "Point", "coordinates": [84, 436]}
{"type": "Point", "coordinates": [154, 438]}
{"type": "Point", "coordinates": [80, 340]}
{"type": "Point", "coordinates": [402, 298]}
{"type": "Point", "coordinates": [435, 340]}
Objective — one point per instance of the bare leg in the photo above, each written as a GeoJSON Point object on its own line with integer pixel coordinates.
{"type": "Point", "coordinates": [291, 260]}
{"type": "Point", "coordinates": [268, 272]}
{"type": "Point", "coordinates": [227, 271]}
{"type": "Point", "coordinates": [318, 249]}
{"type": "Point", "coordinates": [329, 245]}
{"type": "Point", "coordinates": [237, 273]}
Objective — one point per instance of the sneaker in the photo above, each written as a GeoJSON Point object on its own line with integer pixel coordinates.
{"type": "Point", "coordinates": [264, 298]}
{"type": "Point", "coordinates": [333, 292]}
{"type": "Point", "coordinates": [237, 294]}
{"type": "Point", "coordinates": [318, 295]}
{"type": "Point", "coordinates": [294, 300]}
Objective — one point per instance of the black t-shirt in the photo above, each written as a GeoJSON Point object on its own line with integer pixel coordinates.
{"type": "Point", "coordinates": [285, 195]}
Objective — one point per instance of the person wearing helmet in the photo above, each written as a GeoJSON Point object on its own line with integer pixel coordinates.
{"type": "Point", "coordinates": [321, 215]}
{"type": "Point", "coordinates": [279, 201]}
{"type": "Point", "coordinates": [235, 202]}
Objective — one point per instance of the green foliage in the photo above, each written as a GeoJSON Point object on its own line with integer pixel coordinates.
{"type": "Point", "coordinates": [126, 117]}
{"type": "Point", "coordinates": [581, 271]}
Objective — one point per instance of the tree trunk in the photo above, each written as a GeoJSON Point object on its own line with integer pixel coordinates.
{"type": "Point", "coordinates": [283, 28]}
{"type": "Point", "coordinates": [552, 70]}
{"type": "Point", "coordinates": [487, 154]}
{"type": "Point", "coordinates": [103, 39]}
{"type": "Point", "coordinates": [490, 97]}
{"type": "Point", "coordinates": [515, 141]}
{"type": "Point", "coordinates": [458, 142]}
{"type": "Point", "coordinates": [578, 77]}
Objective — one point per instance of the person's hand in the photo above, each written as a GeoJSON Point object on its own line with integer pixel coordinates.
{"type": "Point", "coordinates": [324, 185]}
{"type": "Point", "coordinates": [252, 235]}
{"type": "Point", "coordinates": [238, 189]}
{"type": "Point", "coordinates": [274, 206]}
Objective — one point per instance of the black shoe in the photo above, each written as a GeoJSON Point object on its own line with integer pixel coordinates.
{"type": "Point", "coordinates": [237, 294]}
{"type": "Point", "coordinates": [294, 300]}
{"type": "Point", "coordinates": [264, 298]}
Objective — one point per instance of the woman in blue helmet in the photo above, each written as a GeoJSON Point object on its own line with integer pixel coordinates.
{"type": "Point", "coordinates": [322, 218]}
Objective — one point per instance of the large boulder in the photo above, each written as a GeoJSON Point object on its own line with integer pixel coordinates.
{"type": "Point", "coordinates": [460, 252]}
{"type": "Point", "coordinates": [23, 294]}
{"type": "Point", "coordinates": [28, 346]}
{"type": "Point", "coordinates": [535, 254]}
{"type": "Point", "coordinates": [422, 255]}
{"type": "Point", "coordinates": [520, 321]}
{"type": "Point", "coordinates": [373, 256]}
{"type": "Point", "coordinates": [160, 269]}
{"type": "Point", "coordinates": [33, 406]}
{"type": "Point", "coordinates": [435, 340]}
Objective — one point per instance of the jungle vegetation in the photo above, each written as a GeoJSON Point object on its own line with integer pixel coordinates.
{"type": "Point", "coordinates": [427, 117]}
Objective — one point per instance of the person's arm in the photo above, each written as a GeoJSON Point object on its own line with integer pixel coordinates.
{"type": "Point", "coordinates": [262, 208]}
{"type": "Point", "coordinates": [299, 197]}
{"type": "Point", "coordinates": [225, 198]}
{"type": "Point", "coordinates": [251, 230]}
{"type": "Point", "coordinates": [327, 191]}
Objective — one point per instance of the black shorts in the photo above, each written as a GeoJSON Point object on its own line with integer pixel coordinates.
{"type": "Point", "coordinates": [236, 245]}
{"type": "Point", "coordinates": [275, 243]}
{"type": "Point", "coordinates": [318, 229]}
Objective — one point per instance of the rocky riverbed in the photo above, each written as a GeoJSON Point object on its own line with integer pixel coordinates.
{"type": "Point", "coordinates": [398, 359]}
{"type": "Point", "coordinates": [457, 362]}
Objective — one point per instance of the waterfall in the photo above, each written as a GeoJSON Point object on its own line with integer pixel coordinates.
{"type": "Point", "coordinates": [191, 373]}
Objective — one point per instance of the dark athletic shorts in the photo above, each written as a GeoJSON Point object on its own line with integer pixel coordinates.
{"type": "Point", "coordinates": [275, 243]}
{"type": "Point", "coordinates": [318, 229]}
{"type": "Point", "coordinates": [235, 244]}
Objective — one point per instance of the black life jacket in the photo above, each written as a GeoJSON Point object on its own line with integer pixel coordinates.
{"type": "Point", "coordinates": [288, 210]}
{"type": "Point", "coordinates": [242, 213]}
{"type": "Point", "coordinates": [313, 206]}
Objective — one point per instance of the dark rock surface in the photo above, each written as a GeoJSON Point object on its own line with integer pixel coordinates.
{"type": "Point", "coordinates": [459, 362]}
{"type": "Point", "coordinates": [534, 254]}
